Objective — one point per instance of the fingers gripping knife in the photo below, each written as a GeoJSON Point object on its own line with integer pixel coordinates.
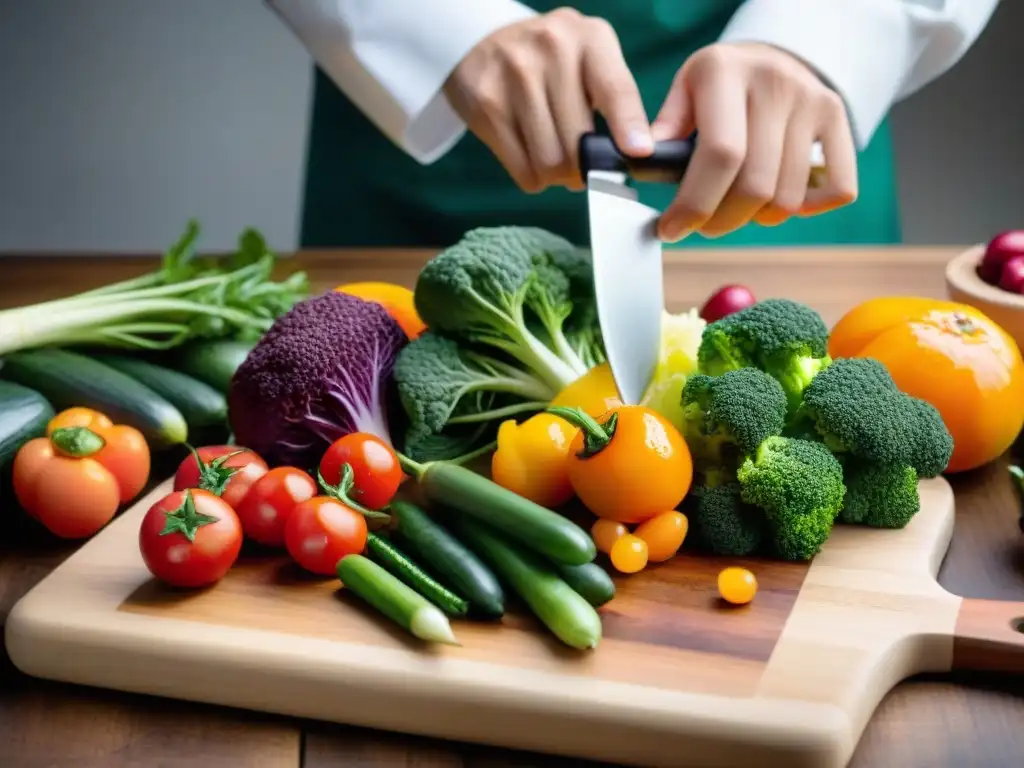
{"type": "Point", "coordinates": [627, 254]}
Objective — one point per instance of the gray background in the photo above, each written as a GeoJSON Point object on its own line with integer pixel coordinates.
{"type": "Point", "coordinates": [120, 119]}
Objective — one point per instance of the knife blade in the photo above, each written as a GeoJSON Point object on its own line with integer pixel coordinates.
{"type": "Point", "coordinates": [627, 253]}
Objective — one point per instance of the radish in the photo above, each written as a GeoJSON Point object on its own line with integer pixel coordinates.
{"type": "Point", "coordinates": [725, 301]}
{"type": "Point", "coordinates": [1012, 277]}
{"type": "Point", "coordinates": [1000, 250]}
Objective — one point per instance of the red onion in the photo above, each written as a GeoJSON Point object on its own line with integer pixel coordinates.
{"type": "Point", "coordinates": [1000, 250]}
{"type": "Point", "coordinates": [725, 301]}
{"type": "Point", "coordinates": [1012, 277]}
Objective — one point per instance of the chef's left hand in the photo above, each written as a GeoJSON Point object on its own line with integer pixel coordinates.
{"type": "Point", "coordinates": [757, 111]}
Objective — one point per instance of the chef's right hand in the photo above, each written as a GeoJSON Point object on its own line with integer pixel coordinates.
{"type": "Point", "coordinates": [529, 90]}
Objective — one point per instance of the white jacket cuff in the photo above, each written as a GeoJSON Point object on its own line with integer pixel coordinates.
{"type": "Point", "coordinates": [871, 52]}
{"type": "Point", "coordinates": [392, 58]}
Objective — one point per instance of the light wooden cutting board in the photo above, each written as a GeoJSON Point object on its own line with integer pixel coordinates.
{"type": "Point", "coordinates": [678, 680]}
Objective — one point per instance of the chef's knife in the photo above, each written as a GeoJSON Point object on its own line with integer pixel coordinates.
{"type": "Point", "coordinates": [627, 253]}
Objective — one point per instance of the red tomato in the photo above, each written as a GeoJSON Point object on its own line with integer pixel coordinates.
{"type": "Point", "coordinates": [227, 471]}
{"type": "Point", "coordinates": [190, 538]}
{"type": "Point", "coordinates": [269, 502]}
{"type": "Point", "coordinates": [375, 468]}
{"type": "Point", "coordinates": [321, 531]}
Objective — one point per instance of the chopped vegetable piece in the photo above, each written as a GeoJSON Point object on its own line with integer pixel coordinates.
{"type": "Point", "coordinates": [737, 585]}
{"type": "Point", "coordinates": [663, 534]}
{"type": "Point", "coordinates": [388, 555]}
{"type": "Point", "coordinates": [396, 600]}
{"type": "Point", "coordinates": [629, 554]}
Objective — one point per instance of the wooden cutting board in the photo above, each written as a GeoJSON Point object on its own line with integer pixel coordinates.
{"type": "Point", "coordinates": [678, 680]}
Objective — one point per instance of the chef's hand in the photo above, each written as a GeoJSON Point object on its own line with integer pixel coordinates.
{"type": "Point", "coordinates": [758, 111]}
{"type": "Point", "coordinates": [530, 90]}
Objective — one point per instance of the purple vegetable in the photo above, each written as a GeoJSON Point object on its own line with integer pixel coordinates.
{"type": "Point", "coordinates": [320, 372]}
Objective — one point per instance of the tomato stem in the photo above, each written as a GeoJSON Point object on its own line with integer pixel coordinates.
{"type": "Point", "coordinates": [186, 519]}
{"type": "Point", "coordinates": [77, 442]}
{"type": "Point", "coordinates": [343, 492]}
{"type": "Point", "coordinates": [214, 477]}
{"type": "Point", "coordinates": [596, 437]}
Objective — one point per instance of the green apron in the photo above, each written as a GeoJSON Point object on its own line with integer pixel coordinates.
{"type": "Point", "coordinates": [361, 190]}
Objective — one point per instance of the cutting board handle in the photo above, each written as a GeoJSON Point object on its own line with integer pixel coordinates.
{"type": "Point", "coordinates": [989, 636]}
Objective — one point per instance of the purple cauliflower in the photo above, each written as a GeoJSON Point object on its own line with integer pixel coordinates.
{"type": "Point", "coordinates": [320, 372]}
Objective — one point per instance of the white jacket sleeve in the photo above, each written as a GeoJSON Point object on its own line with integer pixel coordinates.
{"type": "Point", "coordinates": [392, 57]}
{"type": "Point", "coordinates": [872, 52]}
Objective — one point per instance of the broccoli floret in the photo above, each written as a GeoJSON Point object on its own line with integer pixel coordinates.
{"type": "Point", "coordinates": [726, 417]}
{"type": "Point", "coordinates": [856, 408]}
{"type": "Point", "coordinates": [799, 485]}
{"type": "Point", "coordinates": [441, 383]}
{"type": "Point", "coordinates": [879, 495]}
{"type": "Point", "coordinates": [723, 524]}
{"type": "Point", "coordinates": [489, 287]}
{"type": "Point", "coordinates": [784, 338]}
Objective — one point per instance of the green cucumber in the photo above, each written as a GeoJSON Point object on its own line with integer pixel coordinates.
{"type": "Point", "coordinates": [562, 610]}
{"type": "Point", "coordinates": [388, 555]}
{"type": "Point", "coordinates": [449, 558]}
{"type": "Point", "coordinates": [24, 414]}
{"type": "Point", "coordinates": [212, 362]}
{"type": "Point", "coordinates": [199, 403]}
{"type": "Point", "coordinates": [549, 533]}
{"type": "Point", "coordinates": [69, 379]}
{"type": "Point", "coordinates": [590, 580]}
{"type": "Point", "coordinates": [396, 600]}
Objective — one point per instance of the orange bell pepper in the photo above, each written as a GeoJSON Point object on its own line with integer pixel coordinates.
{"type": "Point", "coordinates": [531, 459]}
{"type": "Point", "coordinates": [74, 480]}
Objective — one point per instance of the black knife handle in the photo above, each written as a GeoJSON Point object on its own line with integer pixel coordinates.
{"type": "Point", "coordinates": [666, 165]}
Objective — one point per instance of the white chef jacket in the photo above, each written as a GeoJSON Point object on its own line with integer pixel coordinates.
{"type": "Point", "coordinates": [392, 57]}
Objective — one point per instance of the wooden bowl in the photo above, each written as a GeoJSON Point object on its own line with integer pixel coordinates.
{"type": "Point", "coordinates": [964, 286]}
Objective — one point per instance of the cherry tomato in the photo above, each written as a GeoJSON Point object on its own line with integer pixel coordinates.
{"type": "Point", "coordinates": [605, 533]}
{"type": "Point", "coordinates": [321, 531]}
{"type": "Point", "coordinates": [376, 471]}
{"type": "Point", "coordinates": [737, 585]}
{"type": "Point", "coordinates": [629, 554]}
{"type": "Point", "coordinates": [269, 502]}
{"type": "Point", "coordinates": [664, 535]}
{"type": "Point", "coordinates": [227, 471]}
{"type": "Point", "coordinates": [190, 538]}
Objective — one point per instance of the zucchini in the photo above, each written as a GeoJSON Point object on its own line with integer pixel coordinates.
{"type": "Point", "coordinates": [212, 362]}
{"type": "Point", "coordinates": [399, 602]}
{"type": "Point", "coordinates": [449, 558]}
{"type": "Point", "coordinates": [562, 610]}
{"type": "Point", "coordinates": [589, 580]}
{"type": "Point", "coordinates": [200, 404]}
{"type": "Point", "coordinates": [70, 379]}
{"type": "Point", "coordinates": [388, 555]}
{"type": "Point", "coordinates": [24, 414]}
{"type": "Point", "coordinates": [549, 533]}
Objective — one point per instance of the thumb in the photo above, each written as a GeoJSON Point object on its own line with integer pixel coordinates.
{"type": "Point", "coordinates": [614, 93]}
{"type": "Point", "coordinates": [675, 119]}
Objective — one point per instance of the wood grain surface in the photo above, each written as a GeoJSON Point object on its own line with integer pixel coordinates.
{"type": "Point", "coordinates": [951, 720]}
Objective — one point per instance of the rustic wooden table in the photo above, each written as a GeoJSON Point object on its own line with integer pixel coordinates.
{"type": "Point", "coordinates": [957, 722]}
